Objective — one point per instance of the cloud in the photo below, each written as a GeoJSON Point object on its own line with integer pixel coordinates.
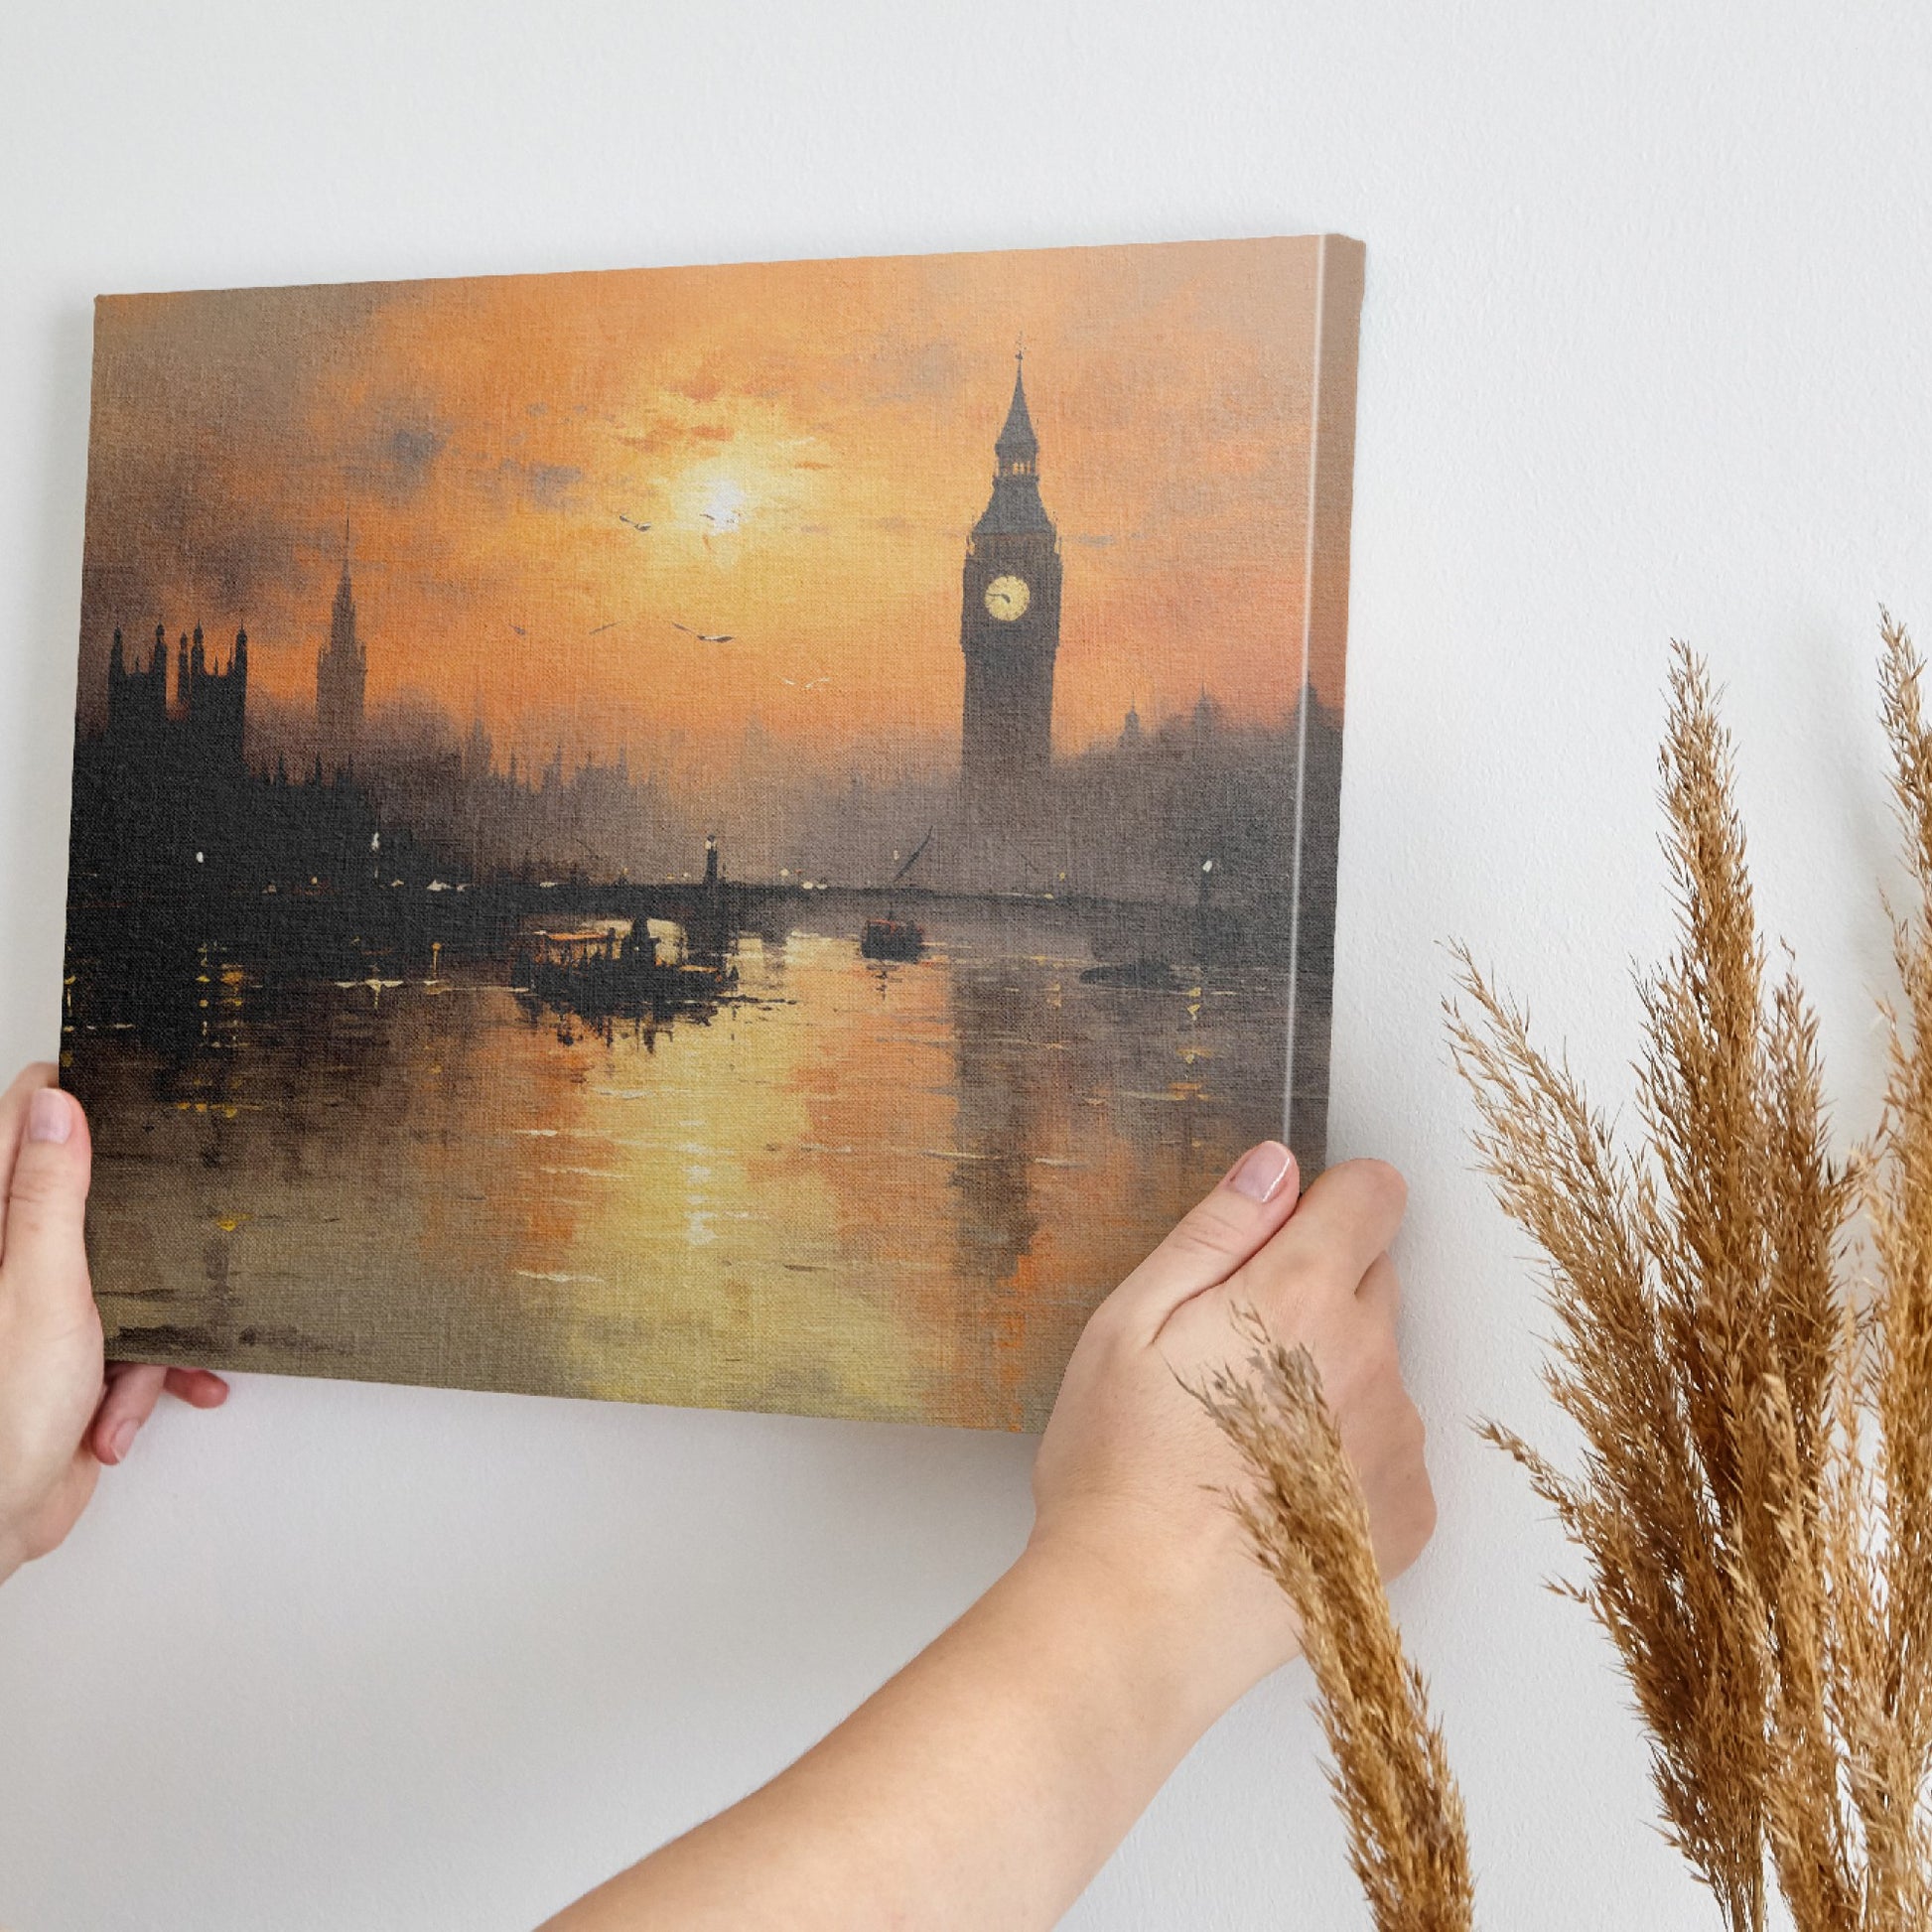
{"type": "Point", "coordinates": [395, 458]}
{"type": "Point", "coordinates": [549, 485]}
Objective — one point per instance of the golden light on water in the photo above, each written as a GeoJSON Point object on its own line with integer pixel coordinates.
{"type": "Point", "coordinates": [857, 1191]}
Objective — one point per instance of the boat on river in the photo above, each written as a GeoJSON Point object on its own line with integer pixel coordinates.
{"type": "Point", "coordinates": [892, 937]}
{"type": "Point", "coordinates": [605, 972]}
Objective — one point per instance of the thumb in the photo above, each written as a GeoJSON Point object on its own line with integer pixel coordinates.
{"type": "Point", "coordinates": [1254, 1198]}
{"type": "Point", "coordinates": [44, 1264]}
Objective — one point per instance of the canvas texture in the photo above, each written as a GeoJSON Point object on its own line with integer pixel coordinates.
{"type": "Point", "coordinates": [744, 836]}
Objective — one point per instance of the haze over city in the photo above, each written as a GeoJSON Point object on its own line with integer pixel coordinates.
{"type": "Point", "coordinates": [560, 488]}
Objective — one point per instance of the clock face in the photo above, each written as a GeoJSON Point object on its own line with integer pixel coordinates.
{"type": "Point", "coordinates": [1007, 598]}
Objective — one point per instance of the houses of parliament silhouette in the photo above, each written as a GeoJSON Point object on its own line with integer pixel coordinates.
{"type": "Point", "coordinates": [194, 738]}
{"type": "Point", "coordinates": [166, 804]}
{"type": "Point", "coordinates": [201, 731]}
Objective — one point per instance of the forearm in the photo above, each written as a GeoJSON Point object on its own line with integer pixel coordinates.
{"type": "Point", "coordinates": [984, 1785]}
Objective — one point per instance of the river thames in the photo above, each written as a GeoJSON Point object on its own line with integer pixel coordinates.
{"type": "Point", "coordinates": [845, 1186]}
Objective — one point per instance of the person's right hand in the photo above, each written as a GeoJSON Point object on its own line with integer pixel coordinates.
{"type": "Point", "coordinates": [1128, 1468]}
{"type": "Point", "coordinates": [64, 1412]}
{"type": "Point", "coordinates": [1046, 1717]}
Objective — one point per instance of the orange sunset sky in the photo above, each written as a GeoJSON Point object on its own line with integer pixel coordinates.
{"type": "Point", "coordinates": [809, 442]}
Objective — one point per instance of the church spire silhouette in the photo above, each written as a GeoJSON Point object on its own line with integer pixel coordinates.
{"type": "Point", "coordinates": [342, 671]}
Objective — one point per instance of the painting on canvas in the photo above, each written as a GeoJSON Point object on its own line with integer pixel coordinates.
{"type": "Point", "coordinates": [742, 836]}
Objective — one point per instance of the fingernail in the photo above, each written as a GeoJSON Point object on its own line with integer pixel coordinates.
{"type": "Point", "coordinates": [123, 1440]}
{"type": "Point", "coordinates": [1260, 1171]}
{"type": "Point", "coordinates": [49, 1115]}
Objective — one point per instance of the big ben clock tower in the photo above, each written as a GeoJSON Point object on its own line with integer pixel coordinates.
{"type": "Point", "coordinates": [1010, 632]}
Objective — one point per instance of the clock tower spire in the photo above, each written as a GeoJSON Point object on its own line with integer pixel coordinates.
{"type": "Point", "coordinates": [1018, 447]}
{"type": "Point", "coordinates": [1010, 634]}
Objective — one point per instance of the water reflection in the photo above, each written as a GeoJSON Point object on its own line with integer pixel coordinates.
{"type": "Point", "coordinates": [834, 1184]}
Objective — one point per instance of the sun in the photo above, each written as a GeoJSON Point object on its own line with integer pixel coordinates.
{"type": "Point", "coordinates": [722, 508]}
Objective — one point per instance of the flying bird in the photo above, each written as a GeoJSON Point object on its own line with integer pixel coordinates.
{"type": "Point", "coordinates": [520, 631]}
{"type": "Point", "coordinates": [704, 636]}
{"type": "Point", "coordinates": [612, 626]}
{"type": "Point", "coordinates": [630, 520]}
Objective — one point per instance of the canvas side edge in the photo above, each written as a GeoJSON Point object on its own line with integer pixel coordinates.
{"type": "Point", "coordinates": [1339, 288]}
{"type": "Point", "coordinates": [63, 1058]}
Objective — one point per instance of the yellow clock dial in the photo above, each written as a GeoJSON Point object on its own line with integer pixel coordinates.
{"type": "Point", "coordinates": [1007, 598]}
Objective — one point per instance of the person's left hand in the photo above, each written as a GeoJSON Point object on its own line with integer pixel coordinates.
{"type": "Point", "coordinates": [64, 1412]}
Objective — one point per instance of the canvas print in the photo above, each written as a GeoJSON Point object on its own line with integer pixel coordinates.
{"type": "Point", "coordinates": [742, 836]}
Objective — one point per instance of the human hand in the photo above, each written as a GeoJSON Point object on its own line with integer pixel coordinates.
{"type": "Point", "coordinates": [1132, 1470]}
{"type": "Point", "coordinates": [1045, 1718]}
{"type": "Point", "coordinates": [63, 1413]}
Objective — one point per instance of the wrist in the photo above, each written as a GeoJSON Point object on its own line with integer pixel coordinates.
{"type": "Point", "coordinates": [1164, 1637]}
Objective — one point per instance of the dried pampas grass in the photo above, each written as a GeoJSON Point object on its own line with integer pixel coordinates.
{"type": "Point", "coordinates": [1753, 1497]}
{"type": "Point", "coordinates": [1309, 1525]}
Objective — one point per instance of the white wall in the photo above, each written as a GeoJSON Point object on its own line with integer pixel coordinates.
{"type": "Point", "coordinates": [1644, 353]}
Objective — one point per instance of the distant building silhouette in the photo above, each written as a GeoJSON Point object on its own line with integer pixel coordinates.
{"type": "Point", "coordinates": [341, 668]}
{"type": "Point", "coordinates": [1207, 718]}
{"type": "Point", "coordinates": [156, 792]}
{"type": "Point", "coordinates": [196, 735]}
{"type": "Point", "coordinates": [1009, 633]}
